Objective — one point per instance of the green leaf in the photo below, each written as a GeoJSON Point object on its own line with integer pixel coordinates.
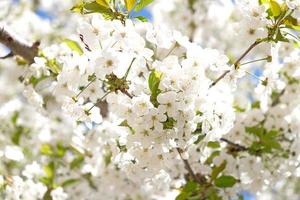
{"type": "Point", "coordinates": [18, 132]}
{"type": "Point", "coordinates": [266, 140]}
{"type": "Point", "coordinates": [213, 145]}
{"type": "Point", "coordinates": [190, 186]}
{"type": "Point", "coordinates": [296, 27]}
{"type": "Point", "coordinates": [258, 131]}
{"type": "Point", "coordinates": [182, 196]}
{"type": "Point", "coordinates": [46, 181]}
{"type": "Point", "coordinates": [186, 192]}
{"type": "Point", "coordinates": [74, 46]}
{"type": "Point", "coordinates": [46, 149]}
{"type": "Point", "coordinates": [280, 37]}
{"type": "Point", "coordinates": [225, 181]}
{"type": "Point", "coordinates": [273, 133]}
{"type": "Point", "coordinates": [212, 194]}
{"type": "Point", "coordinates": [270, 143]}
{"type": "Point", "coordinates": [60, 150]}
{"type": "Point", "coordinates": [95, 7]}
{"type": "Point", "coordinates": [217, 170]}
{"type": "Point", "coordinates": [53, 66]}
{"type": "Point", "coordinates": [78, 8]}
{"type": "Point", "coordinates": [169, 124]}
{"type": "Point", "coordinates": [263, 1]}
{"type": "Point", "coordinates": [275, 8]}
{"type": "Point", "coordinates": [103, 3]}
{"type": "Point", "coordinates": [211, 157]}
{"type": "Point", "coordinates": [34, 81]}
{"type": "Point", "coordinates": [14, 118]}
{"type": "Point", "coordinates": [200, 138]}
{"type": "Point", "coordinates": [69, 182]}
{"type": "Point", "coordinates": [255, 104]}
{"type": "Point", "coordinates": [142, 4]}
{"type": "Point", "coordinates": [107, 158]}
{"type": "Point", "coordinates": [141, 18]}
{"type": "Point", "coordinates": [130, 4]}
{"type": "Point", "coordinates": [49, 170]}
{"type": "Point", "coordinates": [77, 162]}
{"type": "Point", "coordinates": [153, 82]}
{"type": "Point", "coordinates": [239, 109]}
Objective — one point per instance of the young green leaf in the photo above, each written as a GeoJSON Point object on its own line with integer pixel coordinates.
{"type": "Point", "coordinates": [77, 162]}
{"type": "Point", "coordinates": [69, 182]}
{"type": "Point", "coordinates": [189, 188]}
{"type": "Point", "coordinates": [225, 181]}
{"type": "Point", "coordinates": [54, 66]}
{"type": "Point", "coordinates": [213, 145]}
{"type": "Point", "coordinates": [141, 18]}
{"type": "Point", "coordinates": [217, 170]}
{"type": "Point", "coordinates": [74, 46]}
{"type": "Point", "coordinates": [49, 170]}
{"type": "Point", "coordinates": [211, 157]}
{"type": "Point", "coordinates": [78, 8]}
{"type": "Point", "coordinates": [130, 4]}
{"type": "Point", "coordinates": [153, 82]}
{"type": "Point", "coordinates": [275, 8]}
{"type": "Point", "coordinates": [94, 7]}
{"type": "Point", "coordinates": [46, 149]}
{"type": "Point", "coordinates": [142, 4]}
{"type": "Point", "coordinates": [103, 3]}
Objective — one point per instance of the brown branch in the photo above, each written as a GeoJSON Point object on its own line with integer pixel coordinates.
{"type": "Point", "coordinates": [237, 62]}
{"type": "Point", "coordinates": [18, 47]}
{"type": "Point", "coordinates": [188, 167]}
{"type": "Point", "coordinates": [238, 147]}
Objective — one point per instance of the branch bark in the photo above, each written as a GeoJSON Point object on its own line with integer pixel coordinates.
{"type": "Point", "coordinates": [17, 46]}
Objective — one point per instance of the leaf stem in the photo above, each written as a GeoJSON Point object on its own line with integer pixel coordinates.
{"type": "Point", "coordinates": [85, 87]}
{"type": "Point", "coordinates": [253, 61]}
{"type": "Point", "coordinates": [129, 68]}
{"type": "Point", "coordinates": [98, 101]}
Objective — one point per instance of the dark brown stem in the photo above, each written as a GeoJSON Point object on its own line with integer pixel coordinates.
{"type": "Point", "coordinates": [238, 147]}
{"type": "Point", "coordinates": [237, 62]}
{"type": "Point", "coordinates": [188, 167]}
{"type": "Point", "coordinates": [17, 47]}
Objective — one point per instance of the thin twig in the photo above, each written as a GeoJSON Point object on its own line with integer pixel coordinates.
{"type": "Point", "coordinates": [98, 101]}
{"type": "Point", "coordinates": [129, 68]}
{"type": "Point", "coordinates": [237, 146]}
{"type": "Point", "coordinates": [237, 62]}
{"type": "Point", "coordinates": [257, 60]}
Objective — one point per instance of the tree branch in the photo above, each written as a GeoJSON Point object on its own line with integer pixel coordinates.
{"type": "Point", "coordinates": [18, 47]}
{"type": "Point", "coordinates": [188, 167]}
{"type": "Point", "coordinates": [237, 62]}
